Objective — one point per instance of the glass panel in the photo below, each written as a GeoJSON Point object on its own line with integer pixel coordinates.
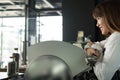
{"type": "Point", "coordinates": [49, 28]}
{"type": "Point", "coordinates": [11, 36]}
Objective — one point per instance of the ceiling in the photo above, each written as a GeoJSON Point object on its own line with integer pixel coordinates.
{"type": "Point", "coordinates": [16, 8]}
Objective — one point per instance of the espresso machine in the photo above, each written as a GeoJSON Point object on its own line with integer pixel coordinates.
{"type": "Point", "coordinates": [54, 60]}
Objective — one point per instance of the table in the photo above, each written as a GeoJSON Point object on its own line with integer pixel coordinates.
{"type": "Point", "coordinates": [4, 76]}
{"type": "Point", "coordinates": [21, 70]}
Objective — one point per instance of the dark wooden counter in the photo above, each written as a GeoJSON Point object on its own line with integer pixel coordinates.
{"type": "Point", "coordinates": [21, 70]}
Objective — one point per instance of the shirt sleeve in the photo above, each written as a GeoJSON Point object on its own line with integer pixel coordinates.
{"type": "Point", "coordinates": [111, 61]}
{"type": "Point", "coordinates": [102, 43]}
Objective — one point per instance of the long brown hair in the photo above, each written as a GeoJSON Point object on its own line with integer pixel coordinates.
{"type": "Point", "coordinates": [110, 12]}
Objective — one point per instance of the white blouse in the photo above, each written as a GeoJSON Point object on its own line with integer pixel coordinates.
{"type": "Point", "coordinates": [111, 60]}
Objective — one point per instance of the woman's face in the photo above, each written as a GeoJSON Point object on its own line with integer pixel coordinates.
{"type": "Point", "coordinates": [102, 26]}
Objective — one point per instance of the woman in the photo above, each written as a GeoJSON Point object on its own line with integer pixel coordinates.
{"type": "Point", "coordinates": [107, 15]}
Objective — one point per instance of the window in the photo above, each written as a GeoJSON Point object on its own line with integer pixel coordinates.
{"type": "Point", "coordinates": [12, 31]}
{"type": "Point", "coordinates": [49, 28]}
{"type": "Point", "coordinates": [11, 36]}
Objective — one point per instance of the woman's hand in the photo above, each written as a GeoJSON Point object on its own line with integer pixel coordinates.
{"type": "Point", "coordinates": [91, 51]}
{"type": "Point", "coordinates": [90, 43]}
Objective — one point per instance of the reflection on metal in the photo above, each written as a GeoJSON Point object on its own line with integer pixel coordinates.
{"type": "Point", "coordinates": [48, 67]}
